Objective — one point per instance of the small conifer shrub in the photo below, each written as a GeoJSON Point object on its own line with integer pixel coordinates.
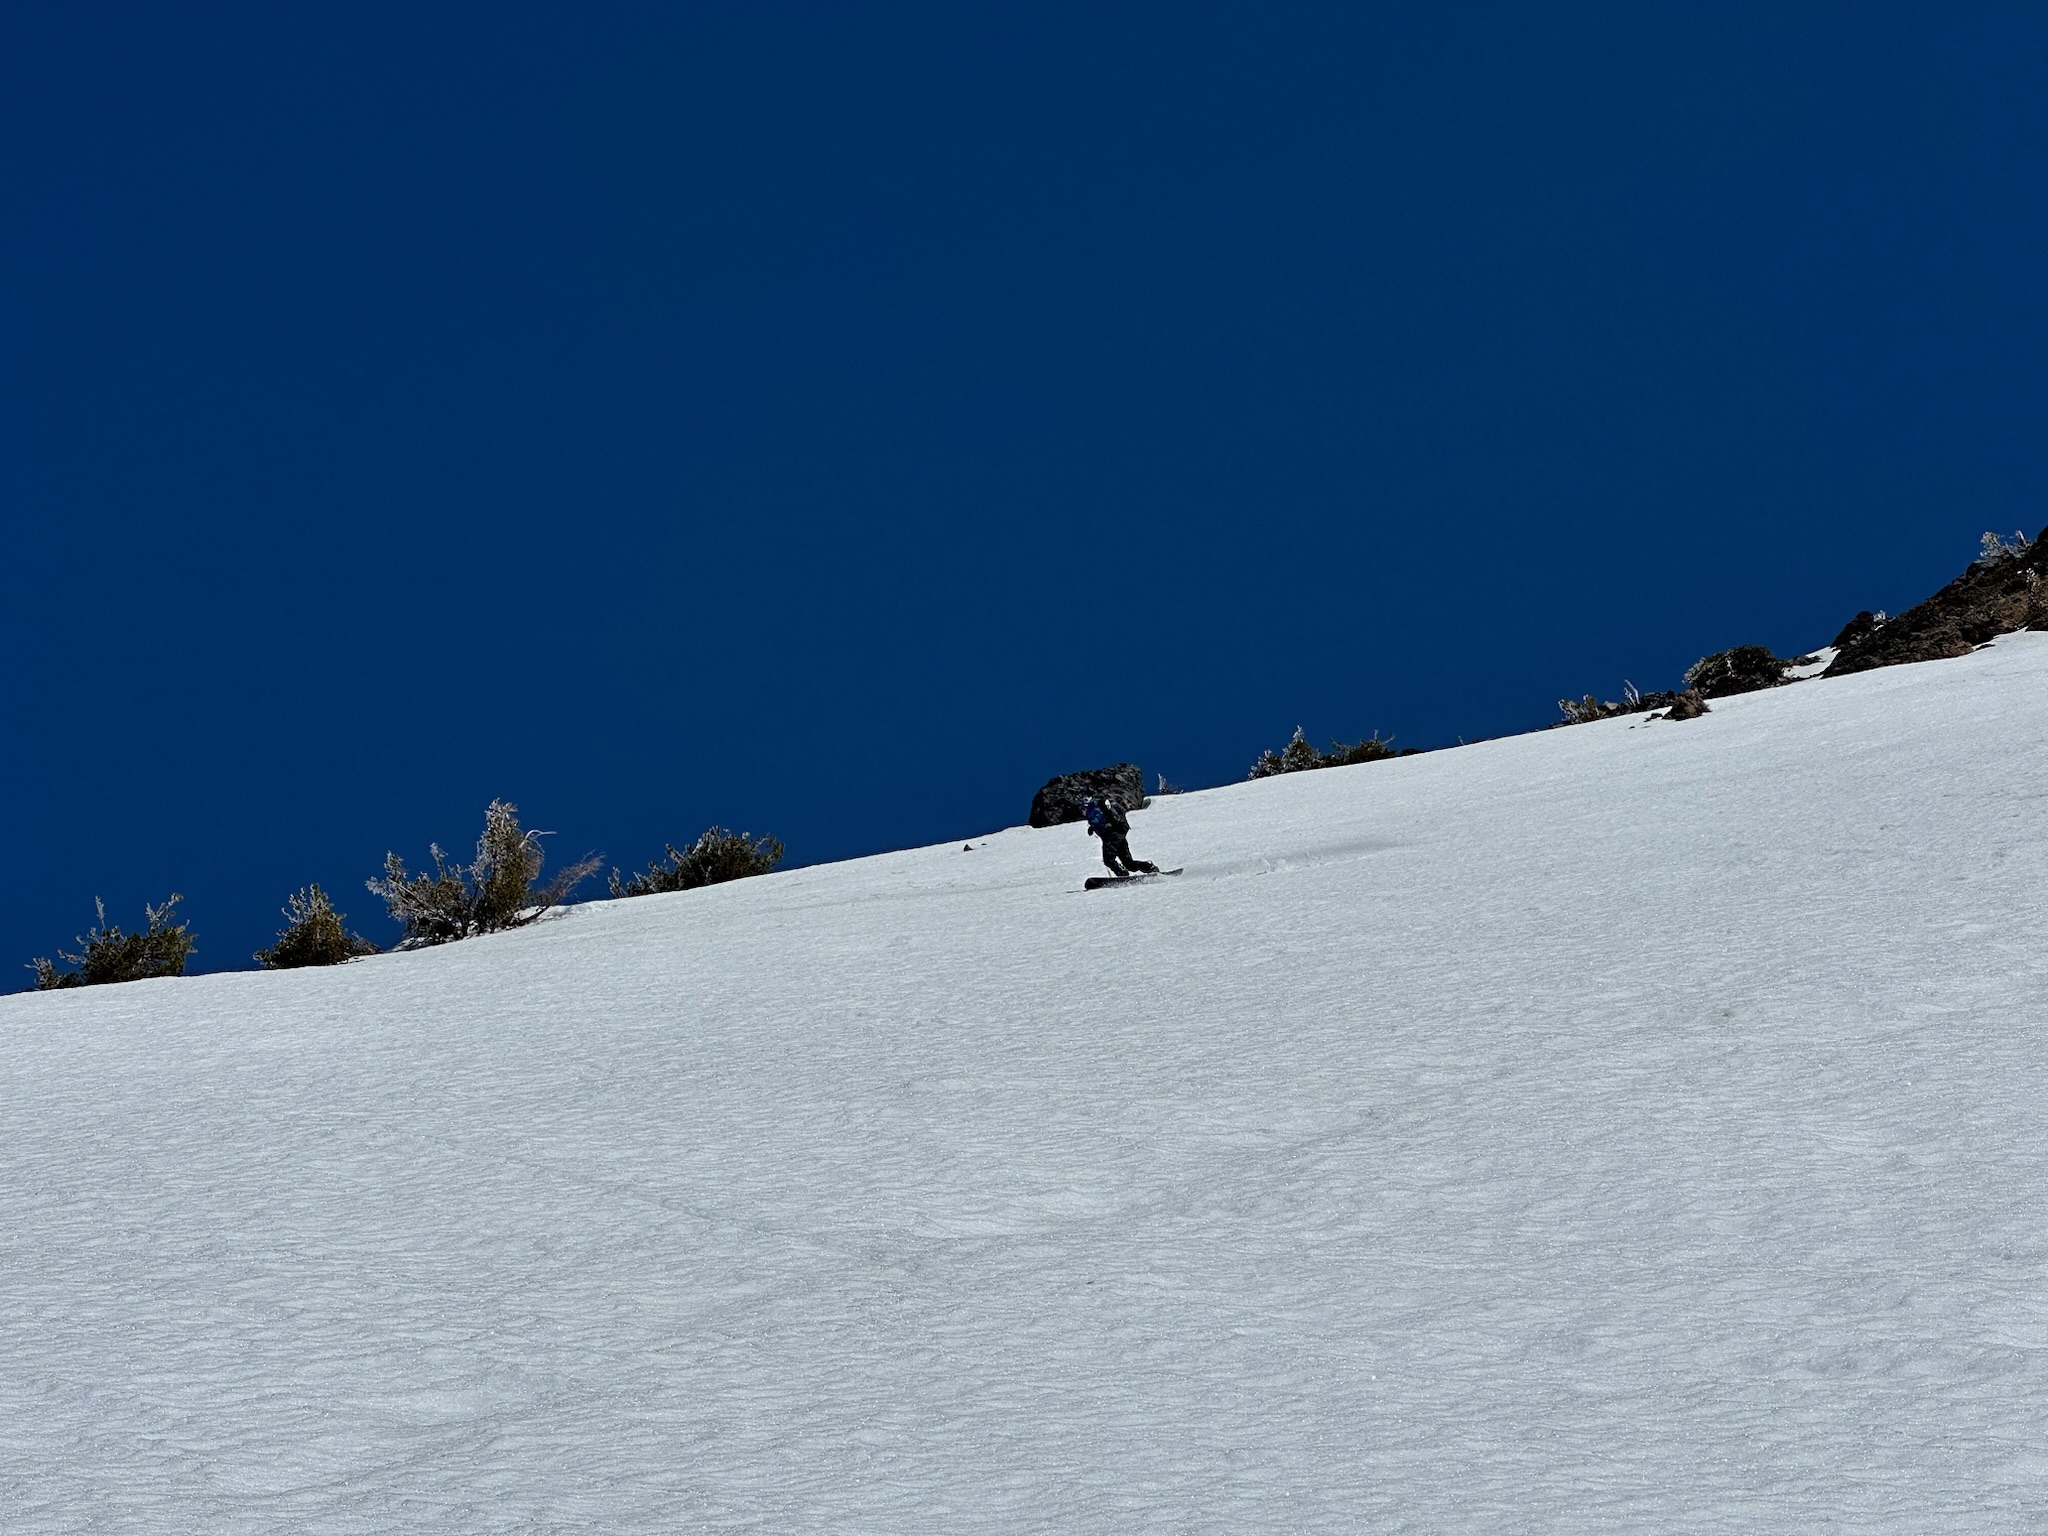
{"type": "Point", "coordinates": [500, 890]}
{"type": "Point", "coordinates": [1295, 757]}
{"type": "Point", "coordinates": [1343, 754]}
{"type": "Point", "coordinates": [315, 934]}
{"type": "Point", "coordinates": [106, 954]}
{"type": "Point", "coordinates": [714, 858]}
{"type": "Point", "coordinates": [1298, 756]}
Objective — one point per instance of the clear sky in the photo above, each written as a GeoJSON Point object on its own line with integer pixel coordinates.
{"type": "Point", "coordinates": [832, 420]}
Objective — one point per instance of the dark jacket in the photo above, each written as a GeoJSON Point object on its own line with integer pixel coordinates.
{"type": "Point", "coordinates": [1106, 813]}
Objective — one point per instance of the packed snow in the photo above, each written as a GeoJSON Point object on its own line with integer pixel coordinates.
{"type": "Point", "coordinates": [1636, 1127]}
{"type": "Point", "coordinates": [1813, 664]}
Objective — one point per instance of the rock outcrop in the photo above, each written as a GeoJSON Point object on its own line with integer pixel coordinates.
{"type": "Point", "coordinates": [1745, 669]}
{"type": "Point", "coordinates": [1999, 594]}
{"type": "Point", "coordinates": [1059, 800]}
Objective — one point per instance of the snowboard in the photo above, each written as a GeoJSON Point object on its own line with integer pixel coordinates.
{"type": "Point", "coordinates": [1097, 882]}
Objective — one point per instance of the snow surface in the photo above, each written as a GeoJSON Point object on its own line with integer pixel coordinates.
{"type": "Point", "coordinates": [1635, 1127]}
{"type": "Point", "coordinates": [1812, 665]}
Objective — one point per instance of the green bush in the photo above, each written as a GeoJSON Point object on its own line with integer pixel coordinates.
{"type": "Point", "coordinates": [714, 858]}
{"type": "Point", "coordinates": [1371, 750]}
{"type": "Point", "coordinates": [500, 890]}
{"type": "Point", "coordinates": [1298, 756]}
{"type": "Point", "coordinates": [315, 934]}
{"type": "Point", "coordinates": [1295, 757]}
{"type": "Point", "coordinates": [109, 955]}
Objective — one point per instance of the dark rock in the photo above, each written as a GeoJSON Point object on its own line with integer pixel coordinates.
{"type": "Point", "coordinates": [1745, 669]}
{"type": "Point", "coordinates": [1690, 705]}
{"type": "Point", "coordinates": [1994, 597]}
{"type": "Point", "coordinates": [1059, 800]}
{"type": "Point", "coordinates": [1858, 630]}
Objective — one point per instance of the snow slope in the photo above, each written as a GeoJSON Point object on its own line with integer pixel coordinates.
{"type": "Point", "coordinates": [1623, 1128]}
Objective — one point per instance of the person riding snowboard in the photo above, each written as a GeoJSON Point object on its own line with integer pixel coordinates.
{"type": "Point", "coordinates": [1106, 820]}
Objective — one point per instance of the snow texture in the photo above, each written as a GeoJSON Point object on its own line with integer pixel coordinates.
{"type": "Point", "coordinates": [1812, 665]}
{"type": "Point", "coordinates": [1637, 1127]}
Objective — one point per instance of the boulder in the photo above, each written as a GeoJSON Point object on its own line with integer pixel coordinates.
{"type": "Point", "coordinates": [1688, 706]}
{"type": "Point", "coordinates": [1059, 800]}
{"type": "Point", "coordinates": [1745, 669]}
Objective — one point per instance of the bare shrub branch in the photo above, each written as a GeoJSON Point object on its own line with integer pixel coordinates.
{"type": "Point", "coordinates": [106, 954]}
{"type": "Point", "coordinates": [497, 892]}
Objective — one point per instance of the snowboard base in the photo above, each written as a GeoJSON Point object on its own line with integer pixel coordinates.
{"type": "Point", "coordinates": [1098, 882]}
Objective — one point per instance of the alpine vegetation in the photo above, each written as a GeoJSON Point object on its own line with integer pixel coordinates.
{"type": "Point", "coordinates": [716, 856]}
{"type": "Point", "coordinates": [107, 954]}
{"type": "Point", "coordinates": [500, 890]}
{"type": "Point", "coordinates": [315, 934]}
{"type": "Point", "coordinates": [1582, 711]}
{"type": "Point", "coordinates": [1298, 756]}
{"type": "Point", "coordinates": [1633, 701]}
{"type": "Point", "coordinates": [1992, 549]}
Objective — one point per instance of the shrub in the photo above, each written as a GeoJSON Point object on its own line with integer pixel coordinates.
{"type": "Point", "coordinates": [1991, 549]}
{"type": "Point", "coordinates": [1633, 701]}
{"type": "Point", "coordinates": [1371, 750]}
{"type": "Point", "coordinates": [715, 857]}
{"type": "Point", "coordinates": [109, 955]}
{"type": "Point", "coordinates": [1295, 757]}
{"type": "Point", "coordinates": [499, 891]}
{"type": "Point", "coordinates": [314, 935]}
{"type": "Point", "coordinates": [1580, 711]}
{"type": "Point", "coordinates": [1298, 756]}
{"type": "Point", "coordinates": [1742, 670]}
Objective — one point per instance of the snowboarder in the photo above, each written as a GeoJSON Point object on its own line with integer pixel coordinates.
{"type": "Point", "coordinates": [1106, 820]}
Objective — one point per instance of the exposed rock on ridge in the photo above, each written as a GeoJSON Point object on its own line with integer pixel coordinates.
{"type": "Point", "coordinates": [1995, 596]}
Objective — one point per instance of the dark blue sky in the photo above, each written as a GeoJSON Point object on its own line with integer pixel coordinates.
{"type": "Point", "coordinates": [833, 420]}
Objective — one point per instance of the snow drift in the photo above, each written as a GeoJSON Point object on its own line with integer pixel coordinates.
{"type": "Point", "coordinates": [1636, 1127]}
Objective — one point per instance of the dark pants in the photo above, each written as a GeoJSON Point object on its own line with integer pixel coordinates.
{"type": "Point", "coordinates": [1116, 853]}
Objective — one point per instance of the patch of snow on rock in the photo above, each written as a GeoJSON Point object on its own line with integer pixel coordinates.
{"type": "Point", "coordinates": [1811, 665]}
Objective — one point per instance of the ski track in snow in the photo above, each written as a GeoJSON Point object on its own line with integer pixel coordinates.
{"type": "Point", "coordinates": [1634, 1127]}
